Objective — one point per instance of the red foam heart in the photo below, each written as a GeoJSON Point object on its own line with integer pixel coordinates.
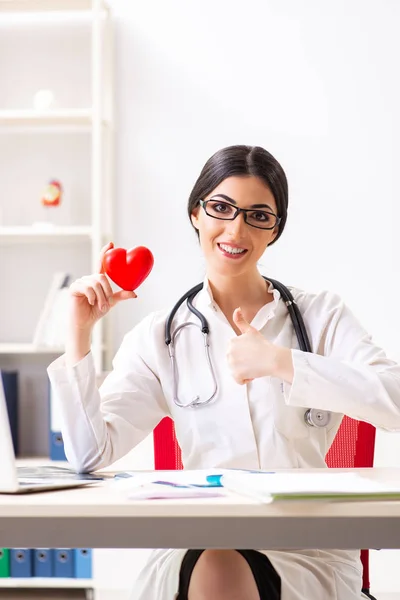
{"type": "Point", "coordinates": [128, 268]}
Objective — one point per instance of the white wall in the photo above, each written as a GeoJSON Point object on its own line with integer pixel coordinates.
{"type": "Point", "coordinates": [313, 82]}
{"type": "Point", "coordinates": [313, 85]}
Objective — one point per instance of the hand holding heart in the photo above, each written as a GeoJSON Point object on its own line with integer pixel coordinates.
{"type": "Point", "coordinates": [250, 355]}
{"type": "Point", "coordinates": [92, 295]}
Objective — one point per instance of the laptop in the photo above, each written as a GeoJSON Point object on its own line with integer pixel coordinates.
{"type": "Point", "coordinates": [24, 480]}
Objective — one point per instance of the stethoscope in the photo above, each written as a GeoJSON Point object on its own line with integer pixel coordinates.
{"type": "Point", "coordinates": [312, 416]}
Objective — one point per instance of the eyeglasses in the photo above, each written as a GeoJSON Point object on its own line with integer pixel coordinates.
{"type": "Point", "coordinates": [262, 219]}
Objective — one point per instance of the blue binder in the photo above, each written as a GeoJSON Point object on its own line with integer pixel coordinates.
{"type": "Point", "coordinates": [42, 562]}
{"type": "Point", "coordinates": [83, 563]}
{"type": "Point", "coordinates": [21, 562]}
{"type": "Point", "coordinates": [10, 384]}
{"type": "Point", "coordinates": [56, 444]}
{"type": "Point", "coordinates": [63, 562]}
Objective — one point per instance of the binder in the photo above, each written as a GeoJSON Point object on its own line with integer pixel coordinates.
{"type": "Point", "coordinates": [21, 562]}
{"type": "Point", "coordinates": [42, 562]}
{"type": "Point", "coordinates": [4, 562]}
{"type": "Point", "coordinates": [51, 328]}
{"type": "Point", "coordinates": [56, 444]}
{"type": "Point", "coordinates": [83, 563]}
{"type": "Point", "coordinates": [63, 562]}
{"type": "Point", "coordinates": [10, 384]}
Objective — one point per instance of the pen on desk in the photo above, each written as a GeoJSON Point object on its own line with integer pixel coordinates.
{"type": "Point", "coordinates": [122, 475]}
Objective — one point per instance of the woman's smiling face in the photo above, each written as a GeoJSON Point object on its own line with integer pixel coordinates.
{"type": "Point", "coordinates": [233, 247]}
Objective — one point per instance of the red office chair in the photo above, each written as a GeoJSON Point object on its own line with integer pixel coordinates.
{"type": "Point", "coordinates": [353, 447]}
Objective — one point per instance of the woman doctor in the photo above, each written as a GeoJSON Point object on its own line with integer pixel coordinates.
{"type": "Point", "coordinates": [265, 384]}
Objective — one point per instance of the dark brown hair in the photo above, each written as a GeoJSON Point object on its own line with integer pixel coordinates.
{"type": "Point", "coordinates": [243, 160]}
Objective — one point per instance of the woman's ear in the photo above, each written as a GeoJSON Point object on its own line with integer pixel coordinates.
{"type": "Point", "coordinates": [195, 217]}
{"type": "Point", "coordinates": [274, 234]}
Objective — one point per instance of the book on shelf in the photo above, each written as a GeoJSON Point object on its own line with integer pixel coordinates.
{"type": "Point", "coordinates": [51, 328]}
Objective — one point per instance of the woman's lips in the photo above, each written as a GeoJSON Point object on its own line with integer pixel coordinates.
{"type": "Point", "coordinates": [235, 253]}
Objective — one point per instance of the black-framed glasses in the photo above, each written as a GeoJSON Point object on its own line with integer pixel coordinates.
{"type": "Point", "coordinates": [219, 209]}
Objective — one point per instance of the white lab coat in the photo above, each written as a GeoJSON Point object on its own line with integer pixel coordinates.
{"type": "Point", "coordinates": [256, 426]}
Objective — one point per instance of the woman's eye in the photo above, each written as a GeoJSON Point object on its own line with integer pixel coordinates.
{"type": "Point", "coordinates": [221, 207]}
{"type": "Point", "coordinates": [261, 216]}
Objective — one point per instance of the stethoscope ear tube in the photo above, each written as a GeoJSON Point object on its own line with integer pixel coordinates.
{"type": "Point", "coordinates": [168, 323]}
{"type": "Point", "coordinates": [313, 417]}
{"type": "Point", "coordinates": [295, 315]}
{"type": "Point", "coordinates": [204, 325]}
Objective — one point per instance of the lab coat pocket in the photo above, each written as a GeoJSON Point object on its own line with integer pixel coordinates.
{"type": "Point", "coordinates": [288, 420]}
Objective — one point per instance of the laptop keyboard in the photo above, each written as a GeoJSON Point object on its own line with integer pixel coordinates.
{"type": "Point", "coordinates": [23, 483]}
{"type": "Point", "coordinates": [52, 473]}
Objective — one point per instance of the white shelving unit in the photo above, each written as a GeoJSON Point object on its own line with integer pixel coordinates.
{"type": "Point", "coordinates": [42, 118]}
{"type": "Point", "coordinates": [95, 120]}
{"type": "Point", "coordinates": [50, 583]}
{"type": "Point", "coordinates": [44, 582]}
{"type": "Point", "coordinates": [41, 132]}
{"type": "Point", "coordinates": [45, 5]}
{"type": "Point", "coordinates": [28, 349]}
{"type": "Point", "coordinates": [30, 234]}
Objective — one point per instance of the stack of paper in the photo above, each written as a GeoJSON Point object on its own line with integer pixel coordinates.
{"type": "Point", "coordinates": [265, 486]}
{"type": "Point", "coordinates": [331, 485]}
{"type": "Point", "coordinates": [160, 485]}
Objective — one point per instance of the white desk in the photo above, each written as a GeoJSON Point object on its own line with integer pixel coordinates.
{"type": "Point", "coordinates": [102, 517]}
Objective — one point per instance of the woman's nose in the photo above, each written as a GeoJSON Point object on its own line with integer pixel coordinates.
{"type": "Point", "coordinates": [237, 226]}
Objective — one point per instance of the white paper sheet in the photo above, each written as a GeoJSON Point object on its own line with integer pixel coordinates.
{"type": "Point", "coordinates": [330, 485]}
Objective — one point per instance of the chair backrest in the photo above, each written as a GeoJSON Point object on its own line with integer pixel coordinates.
{"type": "Point", "coordinates": [167, 454]}
{"type": "Point", "coordinates": [353, 447]}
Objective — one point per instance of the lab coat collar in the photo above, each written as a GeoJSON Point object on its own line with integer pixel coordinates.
{"type": "Point", "coordinates": [205, 299]}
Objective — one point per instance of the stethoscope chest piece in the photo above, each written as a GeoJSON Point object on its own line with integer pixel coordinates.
{"type": "Point", "coordinates": [317, 418]}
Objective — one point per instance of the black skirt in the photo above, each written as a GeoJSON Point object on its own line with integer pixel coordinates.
{"type": "Point", "coordinates": [267, 579]}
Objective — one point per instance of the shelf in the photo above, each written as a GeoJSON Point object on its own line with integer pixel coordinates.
{"type": "Point", "coordinates": [44, 234]}
{"type": "Point", "coordinates": [45, 5]}
{"type": "Point", "coordinates": [28, 348]}
{"type": "Point", "coordinates": [53, 118]}
{"type": "Point", "coordinates": [15, 348]}
{"type": "Point", "coordinates": [45, 582]}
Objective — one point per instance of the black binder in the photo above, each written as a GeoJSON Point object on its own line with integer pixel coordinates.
{"type": "Point", "coordinates": [10, 385]}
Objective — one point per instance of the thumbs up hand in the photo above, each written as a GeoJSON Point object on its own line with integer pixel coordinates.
{"type": "Point", "coordinates": [250, 355]}
{"type": "Point", "coordinates": [241, 322]}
